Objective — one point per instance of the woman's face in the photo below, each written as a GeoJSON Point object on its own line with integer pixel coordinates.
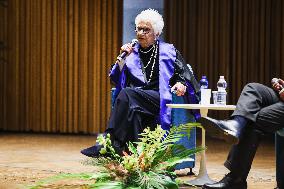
{"type": "Point", "coordinates": [145, 34]}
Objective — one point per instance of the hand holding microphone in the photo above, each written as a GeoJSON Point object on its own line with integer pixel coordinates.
{"type": "Point", "coordinates": [125, 50]}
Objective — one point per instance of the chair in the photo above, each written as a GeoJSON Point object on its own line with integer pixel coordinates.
{"type": "Point", "coordinates": [179, 116]}
{"type": "Point", "coordinates": [279, 145]}
{"type": "Point", "coordinates": [182, 116]}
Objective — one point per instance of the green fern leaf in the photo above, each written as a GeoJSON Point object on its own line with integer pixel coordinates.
{"type": "Point", "coordinates": [132, 148]}
{"type": "Point", "coordinates": [108, 185]}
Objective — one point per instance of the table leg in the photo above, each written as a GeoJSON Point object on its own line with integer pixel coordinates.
{"type": "Point", "coordinates": [202, 177]}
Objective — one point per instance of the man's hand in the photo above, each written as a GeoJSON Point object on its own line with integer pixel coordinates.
{"type": "Point", "coordinates": [279, 87]}
{"type": "Point", "coordinates": [281, 92]}
{"type": "Point", "coordinates": [179, 88]}
{"type": "Point", "coordinates": [281, 95]}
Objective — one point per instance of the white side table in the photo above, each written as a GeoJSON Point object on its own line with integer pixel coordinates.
{"type": "Point", "coordinates": [202, 177]}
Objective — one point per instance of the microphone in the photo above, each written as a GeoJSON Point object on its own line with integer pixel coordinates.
{"type": "Point", "coordinates": [125, 53]}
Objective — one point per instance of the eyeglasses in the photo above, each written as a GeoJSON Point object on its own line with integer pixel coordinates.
{"type": "Point", "coordinates": [143, 30]}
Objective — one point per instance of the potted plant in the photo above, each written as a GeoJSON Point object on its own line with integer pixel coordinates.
{"type": "Point", "coordinates": [148, 164]}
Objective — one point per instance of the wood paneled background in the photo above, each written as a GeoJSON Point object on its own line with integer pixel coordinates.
{"type": "Point", "coordinates": [55, 54]}
{"type": "Point", "coordinates": [55, 62]}
{"type": "Point", "coordinates": [240, 39]}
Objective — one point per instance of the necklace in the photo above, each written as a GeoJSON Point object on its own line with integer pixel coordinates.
{"type": "Point", "coordinates": [153, 65]}
{"type": "Point", "coordinates": [145, 52]}
{"type": "Point", "coordinates": [150, 60]}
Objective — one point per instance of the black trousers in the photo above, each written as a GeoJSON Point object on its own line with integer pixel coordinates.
{"type": "Point", "coordinates": [262, 106]}
{"type": "Point", "coordinates": [279, 141]}
{"type": "Point", "coordinates": [134, 109]}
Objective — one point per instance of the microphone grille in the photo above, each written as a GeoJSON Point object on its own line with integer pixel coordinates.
{"type": "Point", "coordinates": [134, 41]}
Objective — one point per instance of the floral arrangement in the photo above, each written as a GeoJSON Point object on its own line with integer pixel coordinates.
{"type": "Point", "coordinates": [149, 164]}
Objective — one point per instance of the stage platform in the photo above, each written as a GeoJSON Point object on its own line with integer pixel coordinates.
{"type": "Point", "coordinates": [26, 158]}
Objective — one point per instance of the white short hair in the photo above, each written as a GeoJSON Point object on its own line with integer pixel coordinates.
{"type": "Point", "coordinates": [153, 17]}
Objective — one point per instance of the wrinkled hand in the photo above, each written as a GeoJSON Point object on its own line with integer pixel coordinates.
{"type": "Point", "coordinates": [179, 88]}
{"type": "Point", "coordinates": [126, 47]}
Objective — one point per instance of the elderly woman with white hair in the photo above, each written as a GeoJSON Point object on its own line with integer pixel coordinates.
{"type": "Point", "coordinates": [144, 81]}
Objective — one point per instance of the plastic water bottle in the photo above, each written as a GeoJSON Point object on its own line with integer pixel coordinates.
{"type": "Point", "coordinates": [221, 94]}
{"type": "Point", "coordinates": [203, 82]}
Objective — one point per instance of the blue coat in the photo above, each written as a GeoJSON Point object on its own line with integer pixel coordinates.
{"type": "Point", "coordinates": [167, 62]}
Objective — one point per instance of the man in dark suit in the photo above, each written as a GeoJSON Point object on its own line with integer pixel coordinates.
{"type": "Point", "coordinates": [260, 110]}
{"type": "Point", "coordinates": [279, 143]}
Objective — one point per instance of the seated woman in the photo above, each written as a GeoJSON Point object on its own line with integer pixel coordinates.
{"type": "Point", "coordinates": [143, 84]}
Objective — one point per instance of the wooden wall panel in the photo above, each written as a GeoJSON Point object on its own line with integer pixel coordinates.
{"type": "Point", "coordinates": [58, 56]}
{"type": "Point", "coordinates": [3, 62]}
{"type": "Point", "coordinates": [242, 40]}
